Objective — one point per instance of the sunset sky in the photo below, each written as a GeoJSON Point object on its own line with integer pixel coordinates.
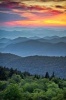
{"type": "Point", "coordinates": [27, 15]}
{"type": "Point", "coordinates": [16, 14]}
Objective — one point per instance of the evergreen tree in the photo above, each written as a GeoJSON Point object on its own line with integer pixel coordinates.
{"type": "Point", "coordinates": [11, 72]}
{"type": "Point", "coordinates": [47, 75]}
{"type": "Point", "coordinates": [53, 75]}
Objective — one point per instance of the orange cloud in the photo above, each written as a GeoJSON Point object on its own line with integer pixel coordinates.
{"type": "Point", "coordinates": [29, 15]}
{"type": "Point", "coordinates": [55, 18]}
{"type": "Point", "coordinates": [59, 20]}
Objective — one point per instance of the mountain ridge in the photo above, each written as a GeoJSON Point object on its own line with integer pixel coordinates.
{"type": "Point", "coordinates": [34, 47]}
{"type": "Point", "coordinates": [35, 64]}
{"type": "Point", "coordinates": [31, 33]}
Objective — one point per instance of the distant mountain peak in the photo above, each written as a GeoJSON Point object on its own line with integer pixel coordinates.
{"type": "Point", "coordinates": [34, 37]}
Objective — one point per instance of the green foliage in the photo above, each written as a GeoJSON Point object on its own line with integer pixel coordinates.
{"type": "Point", "coordinates": [31, 87]}
{"type": "Point", "coordinates": [12, 92]}
{"type": "Point", "coordinates": [15, 79]}
{"type": "Point", "coordinates": [3, 74]}
{"type": "Point", "coordinates": [58, 97]}
{"type": "Point", "coordinates": [3, 85]}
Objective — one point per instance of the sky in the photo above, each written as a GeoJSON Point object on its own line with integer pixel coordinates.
{"type": "Point", "coordinates": [32, 15]}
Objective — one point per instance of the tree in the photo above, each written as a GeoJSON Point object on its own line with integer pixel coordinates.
{"type": "Point", "coordinates": [3, 85]}
{"type": "Point", "coordinates": [37, 76]}
{"type": "Point", "coordinates": [15, 79]}
{"type": "Point", "coordinates": [11, 72]}
{"type": "Point", "coordinates": [3, 75]}
{"type": "Point", "coordinates": [58, 97]}
{"type": "Point", "coordinates": [53, 75]}
{"type": "Point", "coordinates": [47, 75]}
{"type": "Point", "coordinates": [13, 92]}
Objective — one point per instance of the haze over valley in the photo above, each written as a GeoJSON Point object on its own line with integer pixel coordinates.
{"type": "Point", "coordinates": [23, 46]}
{"type": "Point", "coordinates": [33, 36]}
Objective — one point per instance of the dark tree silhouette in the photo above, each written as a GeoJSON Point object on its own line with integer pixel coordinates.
{"type": "Point", "coordinates": [47, 75]}
{"type": "Point", "coordinates": [53, 75]}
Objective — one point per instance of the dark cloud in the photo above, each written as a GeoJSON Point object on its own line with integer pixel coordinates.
{"type": "Point", "coordinates": [4, 17]}
{"type": "Point", "coordinates": [4, 9]}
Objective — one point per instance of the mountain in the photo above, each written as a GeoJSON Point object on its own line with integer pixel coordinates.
{"type": "Point", "coordinates": [2, 45]}
{"type": "Point", "coordinates": [6, 58]}
{"type": "Point", "coordinates": [4, 40]}
{"type": "Point", "coordinates": [27, 32]}
{"type": "Point", "coordinates": [53, 39]}
{"type": "Point", "coordinates": [19, 39]}
{"type": "Point", "coordinates": [35, 64]}
{"type": "Point", "coordinates": [34, 38]}
{"type": "Point", "coordinates": [35, 47]}
{"type": "Point", "coordinates": [23, 46]}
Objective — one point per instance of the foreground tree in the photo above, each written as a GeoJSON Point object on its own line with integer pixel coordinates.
{"type": "Point", "coordinates": [12, 92]}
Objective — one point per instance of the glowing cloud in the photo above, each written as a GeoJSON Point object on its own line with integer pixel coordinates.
{"type": "Point", "coordinates": [34, 15]}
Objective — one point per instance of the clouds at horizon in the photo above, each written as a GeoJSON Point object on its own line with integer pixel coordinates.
{"type": "Point", "coordinates": [14, 15]}
{"type": "Point", "coordinates": [32, 18]}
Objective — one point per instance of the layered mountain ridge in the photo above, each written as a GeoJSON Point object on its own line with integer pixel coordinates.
{"type": "Point", "coordinates": [35, 64]}
{"type": "Point", "coordinates": [23, 46]}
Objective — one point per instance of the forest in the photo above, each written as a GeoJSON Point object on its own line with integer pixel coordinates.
{"type": "Point", "coordinates": [16, 85]}
{"type": "Point", "coordinates": [35, 64]}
